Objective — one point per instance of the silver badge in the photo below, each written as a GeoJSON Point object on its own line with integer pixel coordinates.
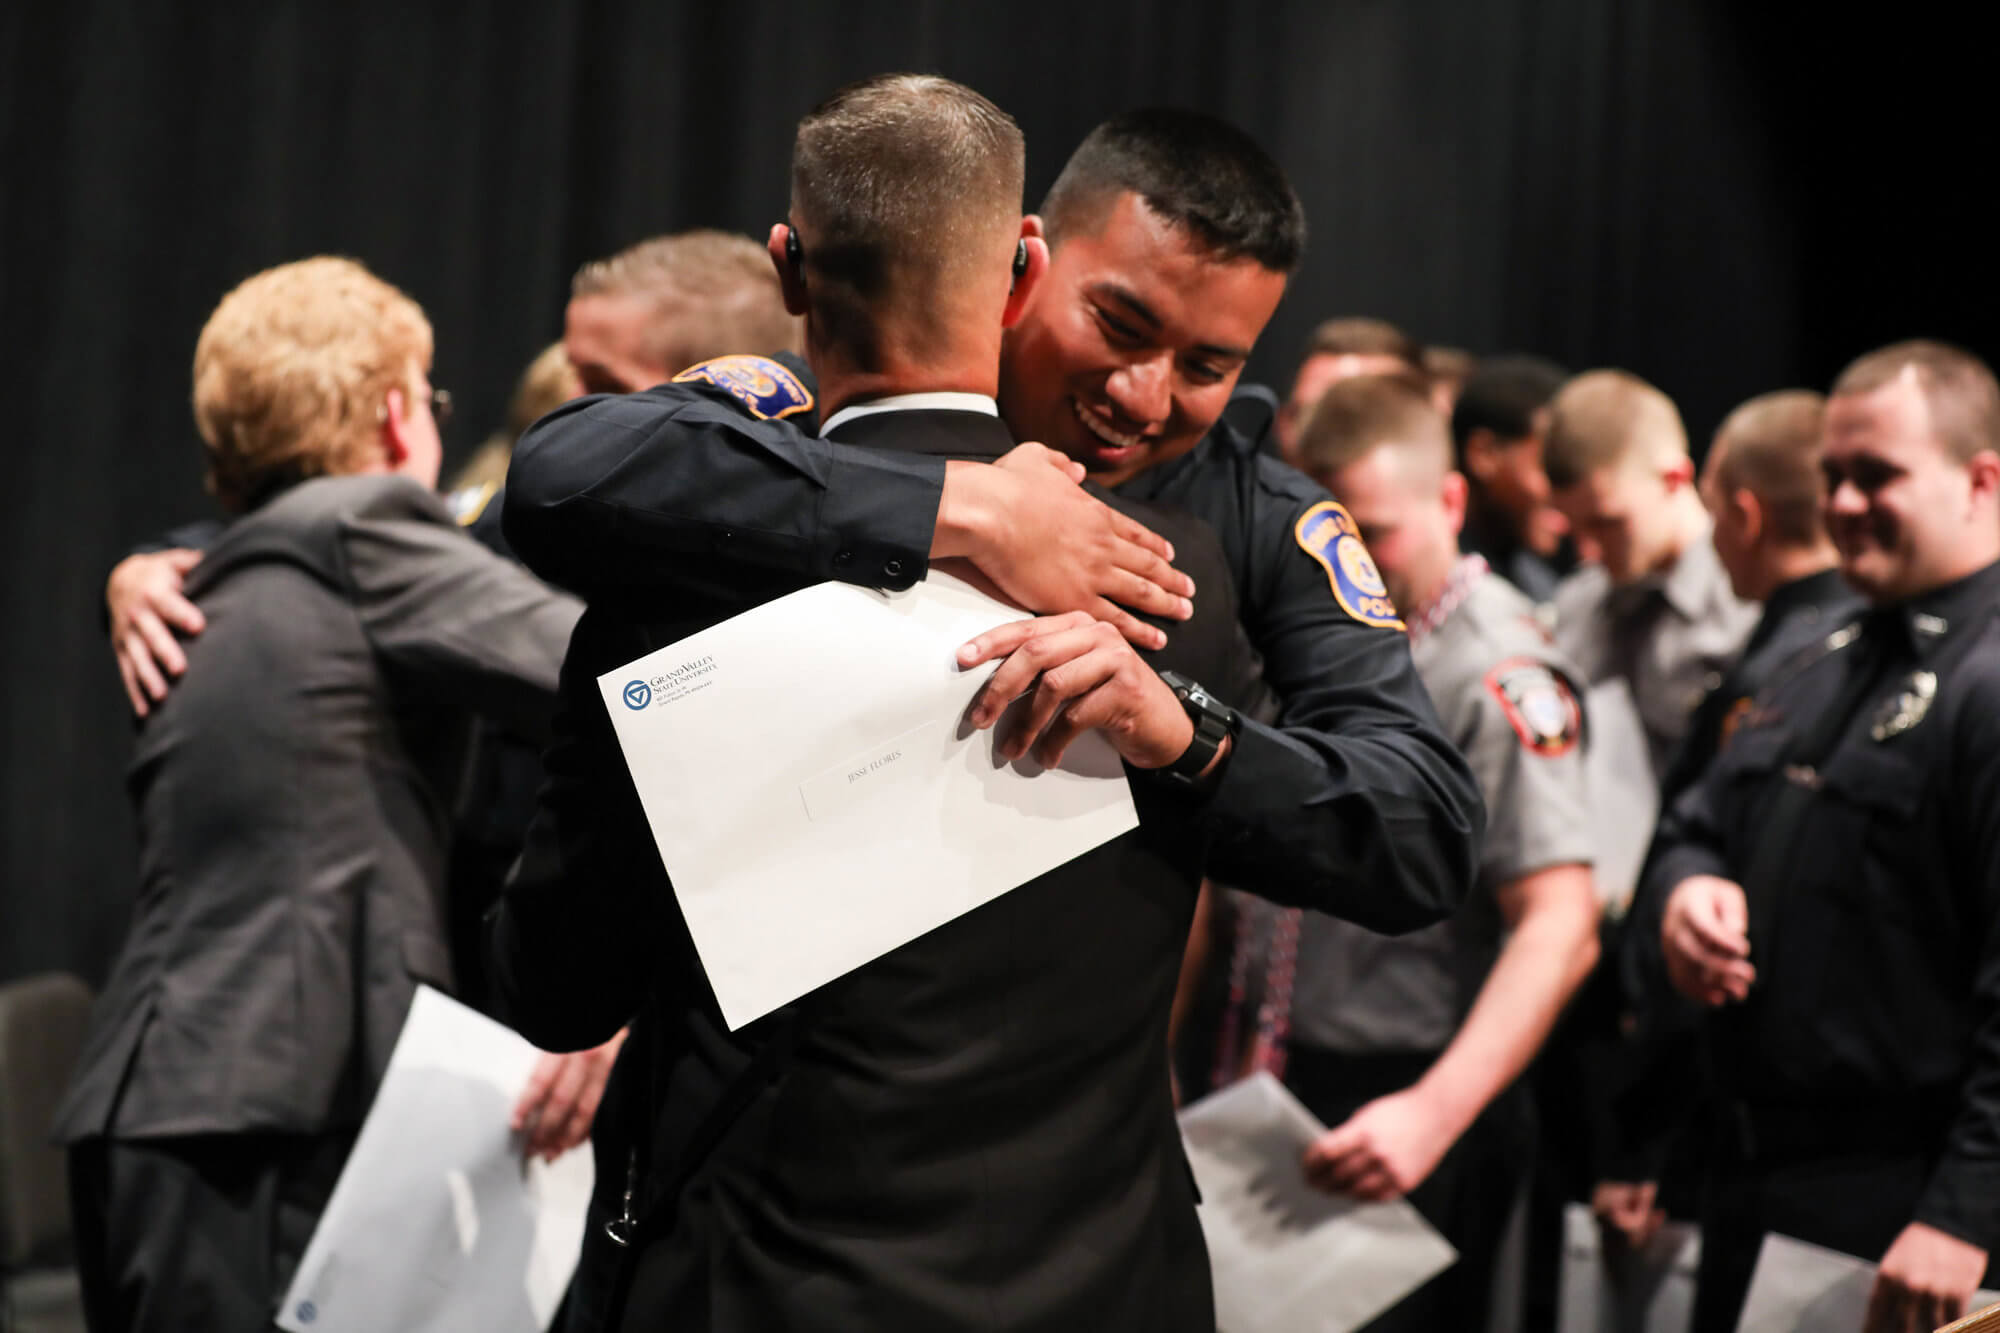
{"type": "Point", "coordinates": [1907, 709]}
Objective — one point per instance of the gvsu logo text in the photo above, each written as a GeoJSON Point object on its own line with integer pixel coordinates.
{"type": "Point", "coordinates": [637, 694]}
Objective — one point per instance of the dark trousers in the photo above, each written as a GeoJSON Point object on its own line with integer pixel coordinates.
{"type": "Point", "coordinates": [1468, 1198]}
{"type": "Point", "coordinates": [1856, 1199]}
{"type": "Point", "coordinates": [201, 1232]}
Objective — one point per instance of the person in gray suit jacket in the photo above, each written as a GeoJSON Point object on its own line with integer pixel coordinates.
{"type": "Point", "coordinates": [292, 802]}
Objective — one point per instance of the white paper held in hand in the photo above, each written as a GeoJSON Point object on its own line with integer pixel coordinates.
{"type": "Point", "coordinates": [437, 1224]}
{"type": "Point", "coordinates": [817, 796]}
{"type": "Point", "coordinates": [1799, 1287]}
{"type": "Point", "coordinates": [1287, 1258]}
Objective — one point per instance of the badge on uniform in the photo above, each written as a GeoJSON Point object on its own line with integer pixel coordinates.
{"type": "Point", "coordinates": [764, 386]}
{"type": "Point", "coordinates": [1540, 705]}
{"type": "Point", "coordinates": [1906, 709]}
{"type": "Point", "coordinates": [1329, 535]}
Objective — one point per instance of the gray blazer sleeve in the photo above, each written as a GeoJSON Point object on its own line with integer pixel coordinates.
{"type": "Point", "coordinates": [438, 605]}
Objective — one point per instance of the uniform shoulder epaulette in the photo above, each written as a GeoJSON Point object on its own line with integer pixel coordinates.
{"type": "Point", "coordinates": [762, 384]}
{"type": "Point", "coordinates": [467, 503]}
{"type": "Point", "coordinates": [1248, 418]}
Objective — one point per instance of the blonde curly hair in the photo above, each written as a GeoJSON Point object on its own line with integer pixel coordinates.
{"type": "Point", "coordinates": [292, 370]}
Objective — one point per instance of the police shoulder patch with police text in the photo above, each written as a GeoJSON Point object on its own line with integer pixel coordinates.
{"type": "Point", "coordinates": [1539, 704]}
{"type": "Point", "coordinates": [1328, 534]}
{"type": "Point", "coordinates": [762, 385]}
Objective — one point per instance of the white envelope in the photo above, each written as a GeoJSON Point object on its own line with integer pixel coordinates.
{"type": "Point", "coordinates": [1617, 1290]}
{"type": "Point", "coordinates": [817, 796]}
{"type": "Point", "coordinates": [436, 1223]}
{"type": "Point", "coordinates": [1287, 1258]}
{"type": "Point", "coordinates": [1799, 1287]}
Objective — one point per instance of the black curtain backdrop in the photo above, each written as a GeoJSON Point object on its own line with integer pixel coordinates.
{"type": "Point", "coordinates": [1722, 201]}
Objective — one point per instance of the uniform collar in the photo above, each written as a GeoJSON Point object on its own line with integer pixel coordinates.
{"type": "Point", "coordinates": [938, 401]}
{"type": "Point", "coordinates": [949, 432]}
{"type": "Point", "coordinates": [1457, 584]}
{"type": "Point", "coordinates": [1689, 586]}
{"type": "Point", "coordinates": [1810, 590]}
{"type": "Point", "coordinates": [1925, 620]}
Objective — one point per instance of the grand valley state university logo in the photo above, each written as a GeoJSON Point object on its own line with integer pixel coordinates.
{"type": "Point", "coordinates": [664, 687]}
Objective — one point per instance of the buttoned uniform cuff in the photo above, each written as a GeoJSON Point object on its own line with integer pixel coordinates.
{"type": "Point", "coordinates": [1269, 841]}
{"type": "Point", "coordinates": [1963, 1200]}
{"type": "Point", "coordinates": [1683, 862]}
{"type": "Point", "coordinates": [878, 516]}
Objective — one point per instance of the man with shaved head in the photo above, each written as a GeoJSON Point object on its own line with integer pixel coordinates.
{"type": "Point", "coordinates": [1761, 483]}
{"type": "Point", "coordinates": [1832, 883]}
{"type": "Point", "coordinates": [1763, 487]}
{"type": "Point", "coordinates": [1656, 610]}
{"type": "Point", "coordinates": [1411, 1047]}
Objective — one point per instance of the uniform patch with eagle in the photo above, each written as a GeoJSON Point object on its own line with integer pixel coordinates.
{"type": "Point", "coordinates": [764, 386]}
{"type": "Point", "coordinates": [1328, 534]}
{"type": "Point", "coordinates": [1539, 704]}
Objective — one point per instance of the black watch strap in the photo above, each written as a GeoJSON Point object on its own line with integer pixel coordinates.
{"type": "Point", "coordinates": [1214, 722]}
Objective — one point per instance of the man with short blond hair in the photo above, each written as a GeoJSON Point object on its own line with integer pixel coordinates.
{"type": "Point", "coordinates": [1410, 1047]}
{"type": "Point", "coordinates": [1655, 610]}
{"type": "Point", "coordinates": [1344, 348]}
{"type": "Point", "coordinates": [290, 801]}
{"type": "Point", "coordinates": [1832, 884]}
{"type": "Point", "coordinates": [638, 317]}
{"type": "Point", "coordinates": [1762, 485]}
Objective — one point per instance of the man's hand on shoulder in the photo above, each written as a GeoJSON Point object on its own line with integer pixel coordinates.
{"type": "Point", "coordinates": [145, 604]}
{"type": "Point", "coordinates": [1028, 525]}
{"type": "Point", "coordinates": [1079, 675]}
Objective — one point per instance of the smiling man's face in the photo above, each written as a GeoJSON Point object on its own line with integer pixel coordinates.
{"type": "Point", "coordinates": [1132, 343]}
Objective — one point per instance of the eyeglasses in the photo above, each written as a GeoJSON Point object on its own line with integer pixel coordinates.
{"type": "Point", "coordinates": [440, 404]}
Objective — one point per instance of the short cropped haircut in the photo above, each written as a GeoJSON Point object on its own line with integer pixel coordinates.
{"type": "Point", "coordinates": [1359, 335]}
{"type": "Point", "coordinates": [1356, 416]}
{"type": "Point", "coordinates": [1604, 419]}
{"type": "Point", "coordinates": [1448, 365]}
{"type": "Point", "coordinates": [1200, 173]}
{"type": "Point", "coordinates": [900, 185]}
{"type": "Point", "coordinates": [292, 371]}
{"type": "Point", "coordinates": [1770, 446]}
{"type": "Point", "coordinates": [1958, 388]}
{"type": "Point", "coordinates": [1502, 395]}
{"type": "Point", "coordinates": [712, 293]}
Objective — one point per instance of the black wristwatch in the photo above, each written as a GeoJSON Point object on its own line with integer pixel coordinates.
{"type": "Point", "coordinates": [1214, 722]}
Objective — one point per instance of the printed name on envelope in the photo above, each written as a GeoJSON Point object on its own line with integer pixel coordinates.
{"type": "Point", "coordinates": [875, 773]}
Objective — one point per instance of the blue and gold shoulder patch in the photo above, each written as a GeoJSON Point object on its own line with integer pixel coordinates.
{"type": "Point", "coordinates": [764, 386]}
{"type": "Point", "coordinates": [1329, 535]}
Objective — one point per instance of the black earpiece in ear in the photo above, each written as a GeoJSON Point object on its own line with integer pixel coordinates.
{"type": "Point", "coordinates": [795, 254]}
{"type": "Point", "coordinates": [1020, 258]}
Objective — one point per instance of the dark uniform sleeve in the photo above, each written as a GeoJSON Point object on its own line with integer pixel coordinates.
{"type": "Point", "coordinates": [684, 473]}
{"type": "Point", "coordinates": [1963, 1197]}
{"type": "Point", "coordinates": [584, 920]}
{"type": "Point", "coordinates": [1355, 803]}
{"type": "Point", "coordinates": [1688, 842]}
